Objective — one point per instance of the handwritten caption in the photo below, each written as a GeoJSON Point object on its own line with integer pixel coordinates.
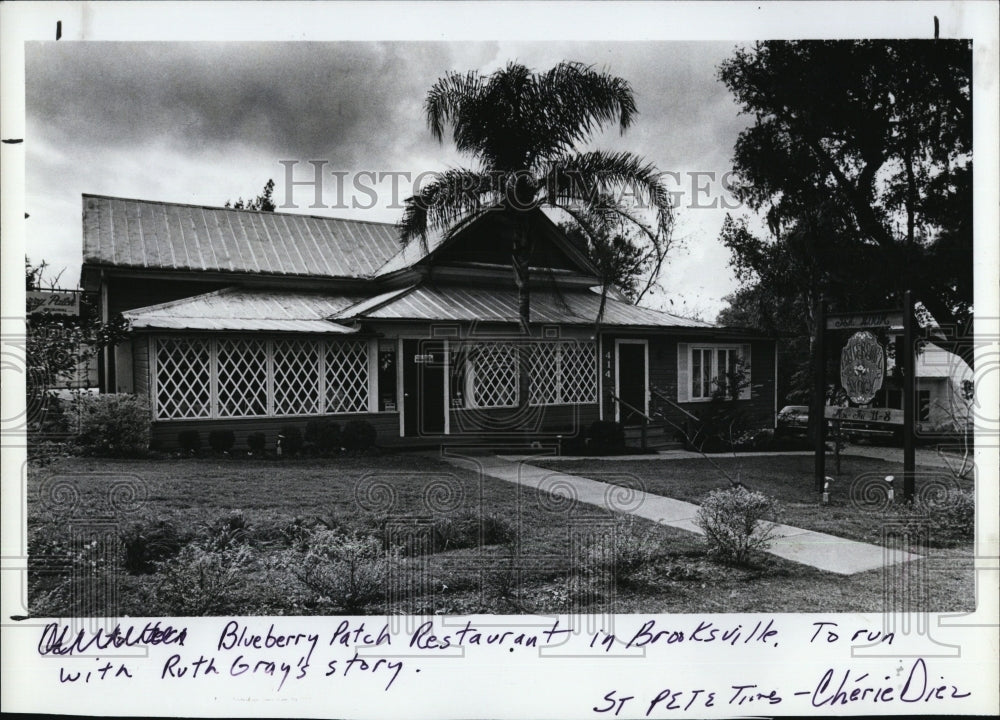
{"type": "Point", "coordinates": [365, 651]}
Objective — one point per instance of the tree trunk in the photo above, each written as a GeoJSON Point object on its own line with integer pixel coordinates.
{"type": "Point", "coordinates": [520, 260]}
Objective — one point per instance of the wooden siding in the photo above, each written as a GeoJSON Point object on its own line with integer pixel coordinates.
{"type": "Point", "coordinates": [140, 365]}
{"type": "Point", "coordinates": [663, 377]}
{"type": "Point", "coordinates": [164, 433]}
{"type": "Point", "coordinates": [543, 421]}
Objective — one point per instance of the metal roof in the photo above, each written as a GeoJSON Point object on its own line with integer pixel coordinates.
{"type": "Point", "coordinates": [246, 310]}
{"type": "Point", "coordinates": [500, 305]}
{"type": "Point", "coordinates": [157, 235]}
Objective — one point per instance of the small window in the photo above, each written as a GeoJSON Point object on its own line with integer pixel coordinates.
{"type": "Point", "coordinates": [712, 369]}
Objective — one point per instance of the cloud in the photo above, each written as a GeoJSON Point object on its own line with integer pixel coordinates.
{"type": "Point", "coordinates": [207, 122]}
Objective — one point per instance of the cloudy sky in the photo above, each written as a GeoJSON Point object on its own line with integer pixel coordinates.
{"type": "Point", "coordinates": [203, 123]}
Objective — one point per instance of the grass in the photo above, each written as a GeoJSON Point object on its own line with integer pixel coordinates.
{"type": "Point", "coordinates": [787, 478]}
{"type": "Point", "coordinates": [537, 572]}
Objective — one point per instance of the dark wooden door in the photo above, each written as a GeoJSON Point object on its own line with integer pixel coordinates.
{"type": "Point", "coordinates": [423, 387]}
{"type": "Point", "coordinates": [632, 381]}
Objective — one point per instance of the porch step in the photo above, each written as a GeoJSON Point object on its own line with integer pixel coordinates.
{"type": "Point", "coordinates": [656, 438]}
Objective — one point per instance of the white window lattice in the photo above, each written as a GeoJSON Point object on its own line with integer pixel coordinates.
{"type": "Point", "coordinates": [578, 373]}
{"type": "Point", "coordinates": [347, 377]}
{"type": "Point", "coordinates": [563, 372]}
{"type": "Point", "coordinates": [492, 375]}
{"type": "Point", "coordinates": [544, 383]}
{"type": "Point", "coordinates": [242, 378]}
{"type": "Point", "coordinates": [296, 377]}
{"type": "Point", "coordinates": [183, 378]}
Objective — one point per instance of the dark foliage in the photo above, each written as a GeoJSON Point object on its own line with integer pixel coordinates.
{"type": "Point", "coordinates": [189, 441]}
{"type": "Point", "coordinates": [359, 435]}
{"type": "Point", "coordinates": [221, 440]}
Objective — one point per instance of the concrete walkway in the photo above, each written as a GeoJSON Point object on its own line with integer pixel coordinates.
{"type": "Point", "coordinates": [826, 552]}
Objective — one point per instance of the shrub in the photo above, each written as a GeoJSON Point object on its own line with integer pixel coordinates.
{"type": "Point", "coordinates": [323, 436]}
{"type": "Point", "coordinates": [606, 438]}
{"type": "Point", "coordinates": [290, 440]}
{"type": "Point", "coordinates": [358, 436]}
{"type": "Point", "coordinates": [113, 425]}
{"type": "Point", "coordinates": [189, 441]}
{"type": "Point", "coordinates": [292, 533]}
{"type": "Point", "coordinates": [230, 531]}
{"type": "Point", "coordinates": [256, 442]}
{"type": "Point", "coordinates": [947, 520]}
{"type": "Point", "coordinates": [349, 571]}
{"type": "Point", "coordinates": [221, 441]}
{"type": "Point", "coordinates": [633, 548]}
{"type": "Point", "coordinates": [146, 543]}
{"type": "Point", "coordinates": [736, 523]}
{"type": "Point", "coordinates": [203, 581]}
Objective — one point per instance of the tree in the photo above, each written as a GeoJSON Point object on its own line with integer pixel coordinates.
{"type": "Point", "coordinates": [522, 128]}
{"type": "Point", "coordinates": [263, 202]}
{"type": "Point", "coordinates": [861, 154]}
{"type": "Point", "coordinates": [57, 345]}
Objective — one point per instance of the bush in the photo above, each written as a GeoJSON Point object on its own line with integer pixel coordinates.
{"type": "Point", "coordinates": [203, 581]}
{"type": "Point", "coordinates": [349, 571]}
{"type": "Point", "coordinates": [634, 547]}
{"type": "Point", "coordinates": [606, 438]}
{"type": "Point", "coordinates": [221, 441]}
{"type": "Point", "coordinates": [947, 520]}
{"type": "Point", "coordinates": [292, 533]}
{"type": "Point", "coordinates": [189, 441]}
{"type": "Point", "coordinates": [146, 543]}
{"type": "Point", "coordinates": [256, 442]}
{"type": "Point", "coordinates": [228, 532]}
{"type": "Point", "coordinates": [736, 523]}
{"type": "Point", "coordinates": [358, 436]}
{"type": "Point", "coordinates": [323, 436]}
{"type": "Point", "coordinates": [113, 425]}
{"type": "Point", "coordinates": [290, 440]}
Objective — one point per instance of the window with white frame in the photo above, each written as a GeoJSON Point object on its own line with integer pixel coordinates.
{"type": "Point", "coordinates": [234, 377]}
{"type": "Point", "coordinates": [563, 372]}
{"type": "Point", "coordinates": [707, 370]}
{"type": "Point", "coordinates": [491, 376]}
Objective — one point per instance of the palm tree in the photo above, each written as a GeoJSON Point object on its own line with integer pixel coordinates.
{"type": "Point", "coordinates": [523, 129]}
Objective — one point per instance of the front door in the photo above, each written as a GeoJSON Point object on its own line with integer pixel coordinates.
{"type": "Point", "coordinates": [631, 382]}
{"type": "Point", "coordinates": [423, 387]}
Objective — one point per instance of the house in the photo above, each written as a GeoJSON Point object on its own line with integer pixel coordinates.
{"type": "Point", "coordinates": [944, 400]}
{"type": "Point", "coordinates": [251, 321]}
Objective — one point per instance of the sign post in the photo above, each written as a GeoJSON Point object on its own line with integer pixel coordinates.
{"type": "Point", "coordinates": [909, 396]}
{"type": "Point", "coordinates": [819, 393]}
{"type": "Point", "coordinates": [861, 373]}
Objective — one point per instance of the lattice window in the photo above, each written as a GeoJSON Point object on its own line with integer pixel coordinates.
{"type": "Point", "coordinates": [544, 383]}
{"type": "Point", "coordinates": [492, 375]}
{"type": "Point", "coordinates": [183, 378]}
{"type": "Point", "coordinates": [296, 377]}
{"type": "Point", "coordinates": [564, 372]}
{"type": "Point", "coordinates": [242, 378]}
{"type": "Point", "coordinates": [347, 377]}
{"type": "Point", "coordinates": [578, 373]}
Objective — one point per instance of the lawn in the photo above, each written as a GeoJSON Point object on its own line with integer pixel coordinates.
{"type": "Point", "coordinates": [856, 496]}
{"type": "Point", "coordinates": [215, 536]}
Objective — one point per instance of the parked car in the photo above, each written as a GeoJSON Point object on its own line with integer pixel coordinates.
{"type": "Point", "coordinates": [793, 421]}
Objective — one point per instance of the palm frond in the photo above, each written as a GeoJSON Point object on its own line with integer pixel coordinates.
{"type": "Point", "coordinates": [453, 196]}
{"type": "Point", "coordinates": [577, 100]}
{"type": "Point", "coordinates": [589, 178]}
{"type": "Point", "coordinates": [449, 99]}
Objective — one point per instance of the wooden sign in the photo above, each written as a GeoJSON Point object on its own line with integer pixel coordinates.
{"type": "Point", "coordinates": [872, 319]}
{"type": "Point", "coordinates": [888, 416]}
